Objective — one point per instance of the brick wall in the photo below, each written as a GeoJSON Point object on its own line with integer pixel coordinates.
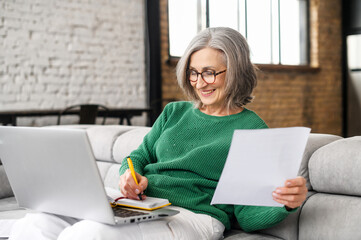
{"type": "Point", "coordinates": [292, 97]}
{"type": "Point", "coordinates": [58, 53]}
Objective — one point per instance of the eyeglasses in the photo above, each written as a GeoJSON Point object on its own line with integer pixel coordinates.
{"type": "Point", "coordinates": [208, 76]}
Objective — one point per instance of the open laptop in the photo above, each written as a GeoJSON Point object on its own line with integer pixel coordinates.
{"type": "Point", "coordinates": [54, 170]}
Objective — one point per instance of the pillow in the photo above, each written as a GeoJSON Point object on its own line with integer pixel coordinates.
{"type": "Point", "coordinates": [336, 167]}
{"type": "Point", "coordinates": [102, 139]}
{"type": "Point", "coordinates": [128, 142]}
{"type": "Point", "coordinates": [315, 141]}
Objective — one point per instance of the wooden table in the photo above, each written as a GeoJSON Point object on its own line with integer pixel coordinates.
{"type": "Point", "coordinates": [9, 117]}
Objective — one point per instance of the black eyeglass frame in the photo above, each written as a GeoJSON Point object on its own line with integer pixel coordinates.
{"type": "Point", "coordinates": [201, 73]}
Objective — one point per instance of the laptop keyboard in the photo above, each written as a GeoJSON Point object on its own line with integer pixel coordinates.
{"type": "Point", "coordinates": [123, 212]}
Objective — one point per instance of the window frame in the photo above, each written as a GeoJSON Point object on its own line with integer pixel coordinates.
{"type": "Point", "coordinates": [306, 47]}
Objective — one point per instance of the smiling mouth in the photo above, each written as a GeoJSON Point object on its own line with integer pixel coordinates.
{"type": "Point", "coordinates": [208, 92]}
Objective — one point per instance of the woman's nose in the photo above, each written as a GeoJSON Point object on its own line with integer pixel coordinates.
{"type": "Point", "coordinates": [200, 82]}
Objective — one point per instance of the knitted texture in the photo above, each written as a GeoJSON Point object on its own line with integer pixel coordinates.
{"type": "Point", "coordinates": [183, 157]}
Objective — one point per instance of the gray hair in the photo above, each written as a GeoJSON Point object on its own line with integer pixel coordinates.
{"type": "Point", "coordinates": [241, 73]}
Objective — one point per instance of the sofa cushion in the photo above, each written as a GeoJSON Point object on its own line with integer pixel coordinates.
{"type": "Point", "coordinates": [288, 228]}
{"type": "Point", "coordinates": [315, 141]}
{"type": "Point", "coordinates": [104, 168]}
{"type": "Point", "coordinates": [239, 234]}
{"type": "Point", "coordinates": [8, 203]}
{"type": "Point", "coordinates": [5, 189]}
{"type": "Point", "coordinates": [329, 216]}
{"type": "Point", "coordinates": [102, 139]}
{"type": "Point", "coordinates": [336, 167]}
{"type": "Point", "coordinates": [15, 214]}
{"type": "Point", "coordinates": [112, 177]}
{"type": "Point", "coordinates": [128, 142]}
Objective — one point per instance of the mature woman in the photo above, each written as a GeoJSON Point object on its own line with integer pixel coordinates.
{"type": "Point", "coordinates": [182, 157]}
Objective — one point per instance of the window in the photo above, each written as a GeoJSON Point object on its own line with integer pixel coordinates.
{"type": "Point", "coordinates": [276, 30]}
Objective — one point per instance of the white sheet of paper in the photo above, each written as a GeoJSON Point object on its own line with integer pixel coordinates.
{"type": "Point", "coordinates": [258, 162]}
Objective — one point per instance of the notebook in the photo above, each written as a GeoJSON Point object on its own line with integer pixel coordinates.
{"type": "Point", "coordinates": [150, 203]}
{"type": "Point", "coordinates": [54, 170]}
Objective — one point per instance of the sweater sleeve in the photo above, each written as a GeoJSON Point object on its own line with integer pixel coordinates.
{"type": "Point", "coordinates": [145, 154]}
{"type": "Point", "coordinates": [252, 218]}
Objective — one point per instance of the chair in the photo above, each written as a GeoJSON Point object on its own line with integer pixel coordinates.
{"type": "Point", "coordinates": [87, 113]}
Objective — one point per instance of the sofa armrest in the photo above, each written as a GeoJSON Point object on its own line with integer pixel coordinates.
{"type": "Point", "coordinates": [315, 141]}
{"type": "Point", "coordinates": [5, 189]}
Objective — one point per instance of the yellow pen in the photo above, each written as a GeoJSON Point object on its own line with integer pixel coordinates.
{"type": "Point", "coordinates": [130, 164]}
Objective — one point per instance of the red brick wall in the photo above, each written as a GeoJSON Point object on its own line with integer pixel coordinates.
{"type": "Point", "coordinates": [291, 97]}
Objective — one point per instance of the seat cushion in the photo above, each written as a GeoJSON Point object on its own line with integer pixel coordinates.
{"type": "Point", "coordinates": [5, 189]}
{"type": "Point", "coordinates": [15, 214]}
{"type": "Point", "coordinates": [239, 234]}
{"type": "Point", "coordinates": [8, 203]}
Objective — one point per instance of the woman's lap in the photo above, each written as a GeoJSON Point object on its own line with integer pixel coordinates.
{"type": "Point", "coordinates": [185, 225]}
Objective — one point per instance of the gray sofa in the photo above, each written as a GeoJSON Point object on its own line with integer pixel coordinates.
{"type": "Point", "coordinates": [331, 165]}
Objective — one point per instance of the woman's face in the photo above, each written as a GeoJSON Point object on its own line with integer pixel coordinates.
{"type": "Point", "coordinates": [211, 95]}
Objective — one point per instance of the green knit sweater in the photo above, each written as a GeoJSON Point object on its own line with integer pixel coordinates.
{"type": "Point", "coordinates": [183, 157]}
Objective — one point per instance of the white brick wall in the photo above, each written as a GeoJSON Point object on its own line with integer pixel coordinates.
{"type": "Point", "coordinates": [55, 53]}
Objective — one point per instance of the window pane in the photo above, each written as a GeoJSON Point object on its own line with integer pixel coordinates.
{"type": "Point", "coordinates": [259, 30]}
{"type": "Point", "coordinates": [183, 24]}
{"type": "Point", "coordinates": [290, 31]}
{"type": "Point", "coordinates": [242, 17]}
{"type": "Point", "coordinates": [353, 51]}
{"type": "Point", "coordinates": [275, 54]}
{"type": "Point", "coordinates": [223, 13]}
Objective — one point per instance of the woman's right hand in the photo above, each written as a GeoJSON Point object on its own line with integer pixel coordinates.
{"type": "Point", "coordinates": [129, 188]}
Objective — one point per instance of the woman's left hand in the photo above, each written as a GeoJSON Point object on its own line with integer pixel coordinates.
{"type": "Point", "coordinates": [293, 194]}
